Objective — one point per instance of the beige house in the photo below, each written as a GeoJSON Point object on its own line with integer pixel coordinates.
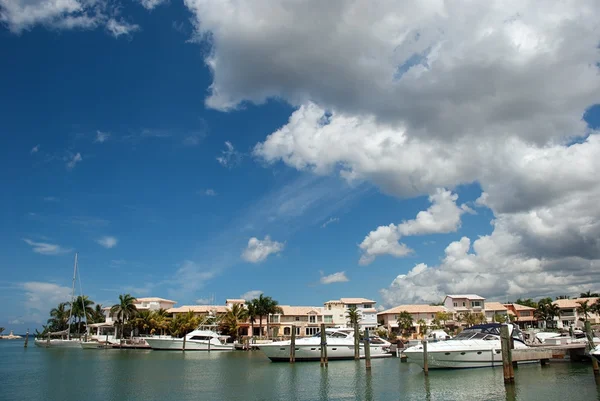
{"type": "Point", "coordinates": [494, 308]}
{"type": "Point", "coordinates": [389, 318]}
{"type": "Point", "coordinates": [305, 320]}
{"type": "Point", "coordinates": [569, 317]}
{"type": "Point", "coordinates": [364, 306]}
{"type": "Point", "coordinates": [524, 315]}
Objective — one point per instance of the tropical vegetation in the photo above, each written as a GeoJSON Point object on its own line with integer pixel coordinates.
{"type": "Point", "coordinates": [263, 306]}
{"type": "Point", "coordinates": [124, 311]}
{"type": "Point", "coordinates": [584, 310]}
{"type": "Point", "coordinates": [547, 311]}
{"type": "Point", "coordinates": [353, 315]}
{"type": "Point", "coordinates": [232, 320]}
{"type": "Point", "coordinates": [405, 322]}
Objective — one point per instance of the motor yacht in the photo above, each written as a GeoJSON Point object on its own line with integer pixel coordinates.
{"type": "Point", "coordinates": [475, 347]}
{"type": "Point", "coordinates": [340, 345]}
{"type": "Point", "coordinates": [201, 339]}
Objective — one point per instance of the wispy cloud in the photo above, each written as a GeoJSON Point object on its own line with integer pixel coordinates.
{"type": "Point", "coordinates": [101, 137]}
{"type": "Point", "coordinates": [250, 295]}
{"type": "Point", "coordinates": [35, 149]}
{"type": "Point", "coordinates": [151, 4]}
{"type": "Point", "coordinates": [87, 221]}
{"type": "Point", "coordinates": [44, 248]}
{"type": "Point", "coordinates": [259, 250]}
{"type": "Point", "coordinates": [121, 27]}
{"type": "Point", "coordinates": [40, 297]}
{"type": "Point", "coordinates": [330, 221]}
{"type": "Point", "coordinates": [107, 242]}
{"type": "Point", "coordinates": [189, 278]}
{"type": "Point", "coordinates": [205, 301]}
{"type": "Point", "coordinates": [229, 157]}
{"type": "Point", "coordinates": [51, 199]}
{"type": "Point", "coordinates": [209, 192]}
{"type": "Point", "coordinates": [192, 140]}
{"type": "Point", "coordinates": [339, 277]}
{"type": "Point", "coordinates": [73, 160]}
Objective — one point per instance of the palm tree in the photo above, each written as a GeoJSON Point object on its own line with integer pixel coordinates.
{"type": "Point", "coordinates": [252, 314]}
{"type": "Point", "coordinates": [527, 302]}
{"type": "Point", "coordinates": [596, 307]}
{"type": "Point", "coordinates": [584, 309]}
{"type": "Point", "coordinates": [498, 318]}
{"type": "Point", "coordinates": [405, 322]}
{"type": "Point", "coordinates": [159, 321]}
{"type": "Point", "coordinates": [143, 321]}
{"type": "Point", "coordinates": [261, 305]}
{"type": "Point", "coordinates": [271, 307]}
{"type": "Point", "coordinates": [589, 294]}
{"type": "Point", "coordinates": [124, 310]}
{"type": "Point", "coordinates": [234, 317]}
{"type": "Point", "coordinates": [98, 316]}
{"type": "Point", "coordinates": [82, 308]}
{"type": "Point", "coordinates": [422, 326]}
{"type": "Point", "coordinates": [468, 318]}
{"type": "Point", "coordinates": [2, 330]}
{"type": "Point", "coordinates": [480, 318]}
{"type": "Point", "coordinates": [547, 311]}
{"type": "Point", "coordinates": [186, 322]}
{"type": "Point", "coordinates": [353, 315]}
{"type": "Point", "coordinates": [59, 317]}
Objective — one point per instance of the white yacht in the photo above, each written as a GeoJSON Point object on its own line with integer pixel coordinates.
{"type": "Point", "coordinates": [201, 339]}
{"type": "Point", "coordinates": [340, 345]}
{"type": "Point", "coordinates": [475, 347]}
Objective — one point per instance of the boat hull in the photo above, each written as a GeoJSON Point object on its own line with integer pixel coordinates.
{"type": "Point", "coordinates": [57, 343]}
{"type": "Point", "coordinates": [457, 359]}
{"type": "Point", "coordinates": [176, 344]}
{"type": "Point", "coordinates": [306, 353]}
{"type": "Point", "coordinates": [94, 345]}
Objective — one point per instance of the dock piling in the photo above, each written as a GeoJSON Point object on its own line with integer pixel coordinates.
{"type": "Point", "coordinates": [324, 361]}
{"type": "Point", "coordinates": [293, 346]}
{"type": "Point", "coordinates": [367, 351]}
{"type": "Point", "coordinates": [356, 342]}
{"type": "Point", "coordinates": [26, 339]}
{"type": "Point", "coordinates": [591, 345]}
{"type": "Point", "coordinates": [425, 358]}
{"type": "Point", "coordinates": [509, 373]}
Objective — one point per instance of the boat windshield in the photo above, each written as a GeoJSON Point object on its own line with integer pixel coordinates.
{"type": "Point", "coordinates": [486, 332]}
{"type": "Point", "coordinates": [332, 334]}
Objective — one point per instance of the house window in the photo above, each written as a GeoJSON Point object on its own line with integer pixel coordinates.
{"type": "Point", "coordinates": [476, 304]}
{"type": "Point", "coordinates": [274, 318]}
{"type": "Point", "coordinates": [312, 319]}
{"type": "Point", "coordinates": [455, 304]}
{"type": "Point", "coordinates": [464, 304]}
{"type": "Point", "coordinates": [367, 306]}
{"type": "Point", "coordinates": [433, 316]}
{"type": "Point", "coordinates": [328, 307]}
{"type": "Point", "coordinates": [287, 331]}
{"type": "Point", "coordinates": [328, 319]}
{"type": "Point", "coordinates": [297, 318]}
{"type": "Point", "coordinates": [297, 330]}
{"type": "Point", "coordinates": [311, 331]}
{"type": "Point", "coordinates": [566, 323]}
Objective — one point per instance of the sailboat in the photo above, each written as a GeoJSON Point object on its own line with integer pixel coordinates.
{"type": "Point", "coordinates": [62, 342]}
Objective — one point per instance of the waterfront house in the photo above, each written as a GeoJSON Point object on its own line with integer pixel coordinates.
{"type": "Point", "coordinates": [495, 308]}
{"type": "Point", "coordinates": [461, 304]}
{"type": "Point", "coordinates": [199, 310]}
{"type": "Point", "coordinates": [569, 317]}
{"type": "Point", "coordinates": [524, 316]}
{"type": "Point", "coordinates": [389, 318]}
{"type": "Point", "coordinates": [365, 308]}
{"type": "Point", "coordinates": [153, 303]}
{"type": "Point", "coordinates": [305, 320]}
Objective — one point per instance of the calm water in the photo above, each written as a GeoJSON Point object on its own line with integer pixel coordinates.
{"type": "Point", "coordinates": [73, 375]}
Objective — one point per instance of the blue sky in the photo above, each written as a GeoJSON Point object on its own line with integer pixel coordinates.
{"type": "Point", "coordinates": [135, 145]}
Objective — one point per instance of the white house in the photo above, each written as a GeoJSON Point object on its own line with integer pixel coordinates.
{"type": "Point", "coordinates": [365, 308]}
{"type": "Point", "coordinates": [569, 317]}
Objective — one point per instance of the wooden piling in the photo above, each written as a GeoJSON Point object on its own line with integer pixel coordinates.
{"type": "Point", "coordinates": [509, 374]}
{"type": "Point", "coordinates": [183, 349]}
{"type": "Point", "coordinates": [293, 346]}
{"type": "Point", "coordinates": [26, 339]}
{"type": "Point", "coordinates": [591, 345]}
{"type": "Point", "coordinates": [356, 342]}
{"type": "Point", "coordinates": [367, 350]}
{"type": "Point", "coordinates": [425, 360]}
{"type": "Point", "coordinates": [324, 361]}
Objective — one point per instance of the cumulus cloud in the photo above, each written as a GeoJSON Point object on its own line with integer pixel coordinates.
{"type": "Point", "coordinates": [210, 192]}
{"type": "Point", "coordinates": [258, 250]}
{"type": "Point", "coordinates": [107, 242]}
{"type": "Point", "coordinates": [101, 137]}
{"type": "Point", "coordinates": [44, 248]}
{"type": "Point", "coordinates": [73, 160]}
{"type": "Point", "coordinates": [435, 96]}
{"type": "Point", "coordinates": [339, 277]}
{"type": "Point", "coordinates": [250, 295]}
{"type": "Point", "coordinates": [229, 157]}
{"type": "Point", "coordinates": [443, 216]}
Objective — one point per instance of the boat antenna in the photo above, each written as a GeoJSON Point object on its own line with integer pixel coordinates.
{"type": "Point", "coordinates": [82, 301]}
{"type": "Point", "coordinates": [72, 297]}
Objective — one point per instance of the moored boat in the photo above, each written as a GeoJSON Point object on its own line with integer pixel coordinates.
{"type": "Point", "coordinates": [202, 339]}
{"type": "Point", "coordinates": [340, 345]}
{"type": "Point", "coordinates": [475, 347]}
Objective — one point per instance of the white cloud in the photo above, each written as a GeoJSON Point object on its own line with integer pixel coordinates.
{"type": "Point", "coordinates": [40, 297]}
{"type": "Point", "coordinates": [107, 242]}
{"type": "Point", "coordinates": [35, 149]}
{"type": "Point", "coordinates": [16, 321]}
{"type": "Point", "coordinates": [189, 278]}
{"type": "Point", "coordinates": [192, 140]}
{"type": "Point", "coordinates": [205, 301]}
{"type": "Point", "coordinates": [258, 250]}
{"type": "Point", "coordinates": [101, 137]}
{"type": "Point", "coordinates": [330, 221]}
{"type": "Point", "coordinates": [229, 157]}
{"type": "Point", "coordinates": [443, 216]}
{"type": "Point", "coordinates": [44, 248]}
{"type": "Point", "coordinates": [51, 199]}
{"type": "Point", "coordinates": [339, 277]}
{"type": "Point", "coordinates": [151, 4]}
{"type": "Point", "coordinates": [121, 27]}
{"type": "Point", "coordinates": [210, 192]}
{"type": "Point", "coordinates": [73, 160]}
{"type": "Point", "coordinates": [250, 295]}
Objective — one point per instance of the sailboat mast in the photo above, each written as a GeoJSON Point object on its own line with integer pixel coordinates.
{"type": "Point", "coordinates": [72, 298]}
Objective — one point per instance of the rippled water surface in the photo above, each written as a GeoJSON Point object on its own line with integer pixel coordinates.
{"type": "Point", "coordinates": [76, 375]}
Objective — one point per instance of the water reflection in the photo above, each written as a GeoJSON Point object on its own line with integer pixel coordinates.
{"type": "Point", "coordinates": [368, 386]}
{"type": "Point", "coordinates": [511, 392]}
{"type": "Point", "coordinates": [427, 388]}
{"type": "Point", "coordinates": [324, 386]}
